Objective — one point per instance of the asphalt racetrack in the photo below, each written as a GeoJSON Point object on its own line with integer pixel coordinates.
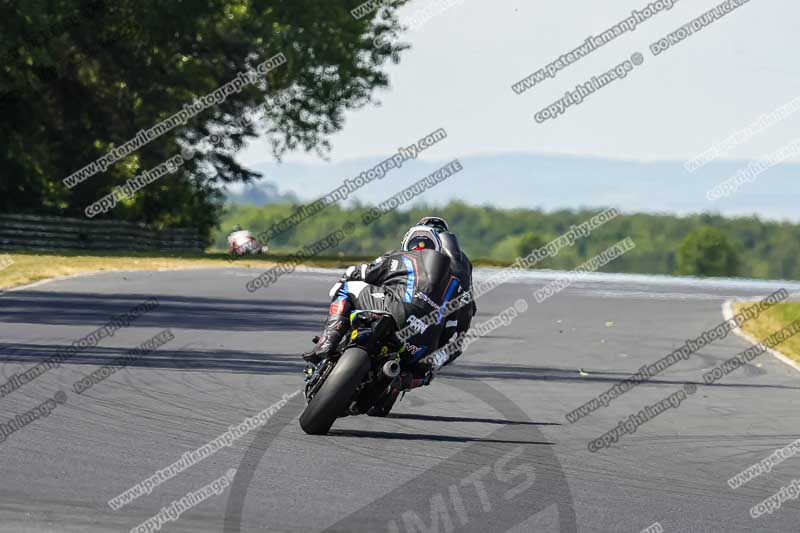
{"type": "Point", "coordinates": [486, 447]}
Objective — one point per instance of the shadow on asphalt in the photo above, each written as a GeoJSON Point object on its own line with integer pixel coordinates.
{"type": "Point", "coordinates": [163, 358]}
{"type": "Point", "coordinates": [435, 418]}
{"type": "Point", "coordinates": [531, 373]}
{"type": "Point", "coordinates": [254, 362]}
{"type": "Point", "coordinates": [419, 436]}
{"type": "Point", "coordinates": [186, 312]}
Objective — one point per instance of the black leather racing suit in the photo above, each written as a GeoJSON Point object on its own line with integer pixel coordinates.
{"type": "Point", "coordinates": [462, 269]}
{"type": "Point", "coordinates": [458, 322]}
{"type": "Point", "coordinates": [409, 286]}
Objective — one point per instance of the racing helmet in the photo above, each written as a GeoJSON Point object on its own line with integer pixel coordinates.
{"type": "Point", "coordinates": [437, 223]}
{"type": "Point", "coordinates": [421, 238]}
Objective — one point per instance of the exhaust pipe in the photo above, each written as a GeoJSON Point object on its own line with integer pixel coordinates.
{"type": "Point", "coordinates": [391, 369]}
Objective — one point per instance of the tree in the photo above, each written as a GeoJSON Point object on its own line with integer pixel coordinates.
{"type": "Point", "coordinates": [706, 251]}
{"type": "Point", "coordinates": [501, 235]}
{"type": "Point", "coordinates": [81, 77]}
{"type": "Point", "coordinates": [529, 242]}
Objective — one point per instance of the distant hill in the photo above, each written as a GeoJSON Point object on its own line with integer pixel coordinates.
{"type": "Point", "coordinates": [551, 182]}
{"type": "Point", "coordinates": [259, 194]}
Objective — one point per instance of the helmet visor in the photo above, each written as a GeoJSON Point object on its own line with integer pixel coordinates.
{"type": "Point", "coordinates": [439, 224]}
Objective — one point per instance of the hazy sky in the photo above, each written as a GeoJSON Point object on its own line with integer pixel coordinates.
{"type": "Point", "coordinates": [459, 72]}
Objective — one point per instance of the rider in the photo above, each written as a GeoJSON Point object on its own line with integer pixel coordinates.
{"type": "Point", "coordinates": [242, 242]}
{"type": "Point", "coordinates": [237, 238]}
{"type": "Point", "coordinates": [409, 283]}
{"type": "Point", "coordinates": [462, 267]}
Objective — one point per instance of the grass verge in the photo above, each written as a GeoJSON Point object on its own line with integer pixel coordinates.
{"type": "Point", "coordinates": [20, 268]}
{"type": "Point", "coordinates": [771, 321]}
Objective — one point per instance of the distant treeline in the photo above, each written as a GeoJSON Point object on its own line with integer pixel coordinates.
{"type": "Point", "coordinates": [706, 245]}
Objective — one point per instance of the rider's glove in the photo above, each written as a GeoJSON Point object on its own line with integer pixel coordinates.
{"type": "Point", "coordinates": [354, 272]}
{"type": "Point", "coordinates": [335, 289]}
{"type": "Point", "coordinates": [347, 276]}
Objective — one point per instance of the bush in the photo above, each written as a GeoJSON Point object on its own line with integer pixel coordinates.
{"type": "Point", "coordinates": [706, 251]}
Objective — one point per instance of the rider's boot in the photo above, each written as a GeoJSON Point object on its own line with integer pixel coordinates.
{"type": "Point", "coordinates": [408, 380]}
{"type": "Point", "coordinates": [335, 326]}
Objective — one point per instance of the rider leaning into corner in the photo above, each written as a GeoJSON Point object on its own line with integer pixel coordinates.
{"type": "Point", "coordinates": [426, 272]}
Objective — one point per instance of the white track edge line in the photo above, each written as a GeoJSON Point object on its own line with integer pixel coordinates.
{"type": "Point", "coordinates": [727, 313]}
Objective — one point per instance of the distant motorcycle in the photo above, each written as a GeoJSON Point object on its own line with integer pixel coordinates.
{"type": "Point", "coordinates": [242, 242]}
{"type": "Point", "coordinates": [359, 377]}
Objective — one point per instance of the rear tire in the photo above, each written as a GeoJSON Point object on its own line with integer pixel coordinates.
{"type": "Point", "coordinates": [385, 405]}
{"type": "Point", "coordinates": [332, 398]}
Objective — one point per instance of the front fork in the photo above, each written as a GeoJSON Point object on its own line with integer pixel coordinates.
{"type": "Point", "coordinates": [315, 376]}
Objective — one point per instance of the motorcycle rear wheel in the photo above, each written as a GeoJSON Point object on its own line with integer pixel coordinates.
{"type": "Point", "coordinates": [384, 406]}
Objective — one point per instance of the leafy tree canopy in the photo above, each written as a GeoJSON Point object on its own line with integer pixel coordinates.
{"type": "Point", "coordinates": [81, 77]}
{"type": "Point", "coordinates": [706, 251]}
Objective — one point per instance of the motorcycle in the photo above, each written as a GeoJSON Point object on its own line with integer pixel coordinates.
{"type": "Point", "coordinates": [243, 242]}
{"type": "Point", "coordinates": [359, 378]}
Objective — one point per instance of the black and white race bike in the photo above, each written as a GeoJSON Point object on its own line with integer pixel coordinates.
{"type": "Point", "coordinates": [361, 377]}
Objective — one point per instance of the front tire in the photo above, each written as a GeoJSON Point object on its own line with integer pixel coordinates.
{"type": "Point", "coordinates": [332, 398]}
